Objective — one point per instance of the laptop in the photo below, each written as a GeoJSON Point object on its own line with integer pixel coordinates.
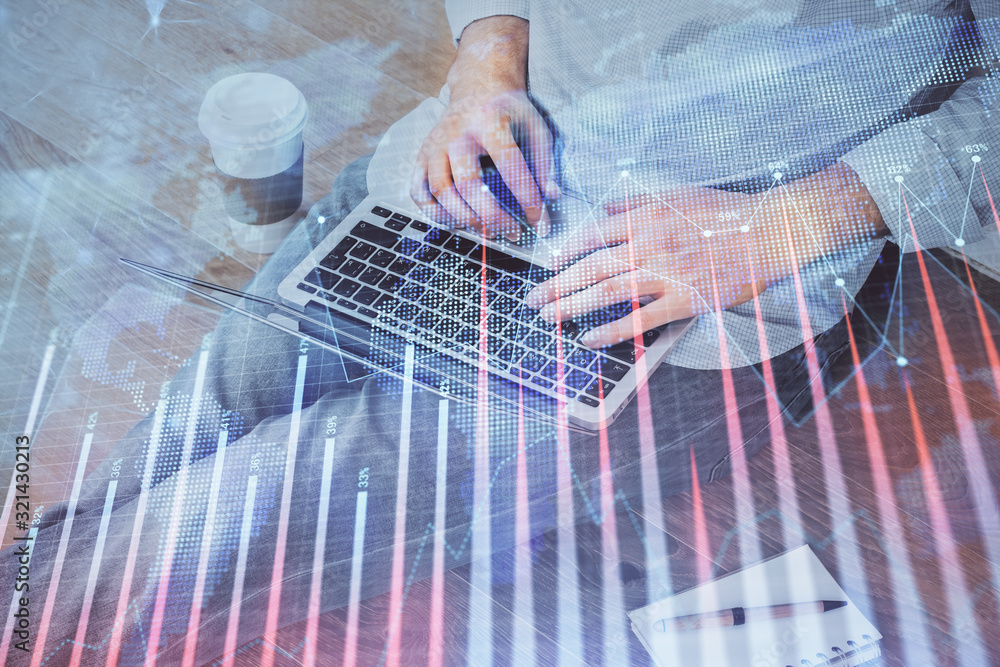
{"type": "Point", "coordinates": [398, 276]}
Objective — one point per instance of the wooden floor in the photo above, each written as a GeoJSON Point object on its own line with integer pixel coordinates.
{"type": "Point", "coordinates": [100, 157]}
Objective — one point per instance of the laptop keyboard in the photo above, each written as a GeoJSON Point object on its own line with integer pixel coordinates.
{"type": "Point", "coordinates": [439, 288]}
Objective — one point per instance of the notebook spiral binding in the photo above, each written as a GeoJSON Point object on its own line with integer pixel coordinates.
{"type": "Point", "coordinates": [857, 654]}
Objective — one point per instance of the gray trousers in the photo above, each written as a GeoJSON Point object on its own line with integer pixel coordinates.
{"type": "Point", "coordinates": [247, 388]}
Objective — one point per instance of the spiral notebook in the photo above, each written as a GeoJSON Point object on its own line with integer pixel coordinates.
{"type": "Point", "coordinates": [841, 637]}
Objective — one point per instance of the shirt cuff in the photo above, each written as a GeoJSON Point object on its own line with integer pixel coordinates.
{"type": "Point", "coordinates": [463, 12]}
{"type": "Point", "coordinates": [910, 178]}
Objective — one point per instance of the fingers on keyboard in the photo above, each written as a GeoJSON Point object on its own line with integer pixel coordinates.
{"type": "Point", "coordinates": [454, 292]}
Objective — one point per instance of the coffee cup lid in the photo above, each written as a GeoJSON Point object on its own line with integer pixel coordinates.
{"type": "Point", "coordinates": [253, 107]}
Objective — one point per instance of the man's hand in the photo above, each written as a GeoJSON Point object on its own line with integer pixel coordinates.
{"type": "Point", "coordinates": [489, 107]}
{"type": "Point", "coordinates": [692, 250]}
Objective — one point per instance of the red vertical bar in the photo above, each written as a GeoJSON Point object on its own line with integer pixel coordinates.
{"type": "Point", "coordinates": [278, 567]}
{"type": "Point", "coordinates": [944, 539]}
{"type": "Point", "coordinates": [399, 539]}
{"type": "Point", "coordinates": [787, 499]}
{"type": "Point", "coordinates": [749, 545]}
{"type": "Point", "coordinates": [700, 528]}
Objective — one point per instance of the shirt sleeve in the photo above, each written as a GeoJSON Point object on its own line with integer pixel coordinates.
{"type": "Point", "coordinates": [463, 12]}
{"type": "Point", "coordinates": [936, 170]}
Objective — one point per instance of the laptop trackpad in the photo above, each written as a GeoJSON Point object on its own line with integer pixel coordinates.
{"type": "Point", "coordinates": [353, 338]}
{"type": "Point", "coordinates": [368, 349]}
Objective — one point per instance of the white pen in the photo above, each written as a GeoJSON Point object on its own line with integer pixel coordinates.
{"type": "Point", "coordinates": [741, 615]}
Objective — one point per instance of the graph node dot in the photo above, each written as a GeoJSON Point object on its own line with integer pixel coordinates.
{"type": "Point", "coordinates": [960, 242]}
{"type": "Point", "coordinates": [902, 361]}
{"type": "Point", "coordinates": [839, 282]}
{"type": "Point", "coordinates": [745, 228]}
{"type": "Point", "coordinates": [321, 219]}
{"type": "Point", "coordinates": [899, 179]}
{"type": "Point", "coordinates": [624, 173]}
{"type": "Point", "coordinates": [707, 233]}
{"type": "Point", "coordinates": [976, 158]}
{"type": "Point", "coordinates": [778, 175]}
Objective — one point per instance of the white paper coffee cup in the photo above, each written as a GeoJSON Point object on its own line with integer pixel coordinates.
{"type": "Point", "coordinates": [254, 122]}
